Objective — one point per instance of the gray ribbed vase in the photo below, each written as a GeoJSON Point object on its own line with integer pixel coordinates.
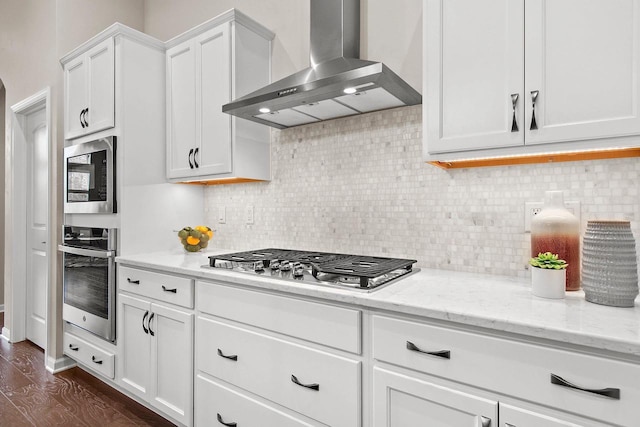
{"type": "Point", "coordinates": [609, 264]}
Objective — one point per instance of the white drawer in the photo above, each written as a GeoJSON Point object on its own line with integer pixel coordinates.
{"type": "Point", "coordinates": [89, 355]}
{"type": "Point", "coordinates": [324, 324]}
{"type": "Point", "coordinates": [266, 366]}
{"type": "Point", "coordinates": [164, 287]}
{"type": "Point", "coordinates": [214, 400]}
{"type": "Point", "coordinates": [512, 368]}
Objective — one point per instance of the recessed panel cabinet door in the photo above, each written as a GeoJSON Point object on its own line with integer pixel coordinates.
{"type": "Point", "coordinates": [75, 82]}
{"type": "Point", "coordinates": [213, 62]}
{"type": "Point", "coordinates": [401, 401]}
{"type": "Point", "coordinates": [583, 62]}
{"type": "Point", "coordinates": [474, 67]}
{"type": "Point", "coordinates": [101, 100]}
{"type": "Point", "coordinates": [133, 338]}
{"type": "Point", "coordinates": [181, 110]}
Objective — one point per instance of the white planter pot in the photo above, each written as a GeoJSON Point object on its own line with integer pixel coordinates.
{"type": "Point", "coordinates": [547, 283]}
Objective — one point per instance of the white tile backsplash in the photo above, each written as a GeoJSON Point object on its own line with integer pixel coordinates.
{"type": "Point", "coordinates": [359, 185]}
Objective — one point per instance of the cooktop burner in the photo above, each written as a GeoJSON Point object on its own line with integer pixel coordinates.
{"type": "Point", "coordinates": [322, 268]}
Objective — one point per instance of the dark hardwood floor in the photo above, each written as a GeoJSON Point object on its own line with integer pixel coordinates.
{"type": "Point", "coordinates": [31, 396]}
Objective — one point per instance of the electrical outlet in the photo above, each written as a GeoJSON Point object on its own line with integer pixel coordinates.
{"type": "Point", "coordinates": [248, 215]}
{"type": "Point", "coordinates": [532, 209]}
{"type": "Point", "coordinates": [222, 215]}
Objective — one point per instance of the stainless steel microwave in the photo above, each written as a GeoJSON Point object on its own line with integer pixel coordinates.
{"type": "Point", "coordinates": [90, 177]}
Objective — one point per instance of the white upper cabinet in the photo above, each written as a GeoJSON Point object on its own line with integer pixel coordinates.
{"type": "Point", "coordinates": [492, 66]}
{"type": "Point", "coordinates": [207, 67]}
{"type": "Point", "coordinates": [90, 91]}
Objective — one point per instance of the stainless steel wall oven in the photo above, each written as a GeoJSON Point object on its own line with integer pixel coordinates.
{"type": "Point", "coordinates": [89, 279]}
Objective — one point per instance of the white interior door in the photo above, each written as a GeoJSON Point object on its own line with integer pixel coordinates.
{"type": "Point", "coordinates": [37, 227]}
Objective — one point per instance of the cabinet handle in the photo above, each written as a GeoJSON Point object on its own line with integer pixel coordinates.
{"type": "Point", "coordinates": [514, 103]}
{"type": "Point", "coordinates": [485, 422]}
{"type": "Point", "coordinates": [225, 424]}
{"type": "Point", "coordinates": [135, 282]}
{"type": "Point", "coordinates": [508, 425]}
{"type": "Point", "coordinates": [311, 386]}
{"type": "Point", "coordinates": [81, 121]}
{"type": "Point", "coordinates": [149, 325]}
{"type": "Point", "coordinates": [445, 354]}
{"type": "Point", "coordinates": [94, 360]}
{"type": "Point", "coordinates": [174, 290]}
{"type": "Point", "coordinates": [613, 393]}
{"type": "Point", "coordinates": [86, 114]}
{"type": "Point", "coordinates": [233, 357]}
{"type": "Point", "coordinates": [73, 348]}
{"type": "Point", "coordinates": [534, 98]}
{"type": "Point", "coordinates": [146, 331]}
{"type": "Point", "coordinates": [195, 161]}
{"type": "Point", "coordinates": [190, 162]}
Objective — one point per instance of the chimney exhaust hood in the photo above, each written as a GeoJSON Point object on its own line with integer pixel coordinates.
{"type": "Point", "coordinates": [337, 83]}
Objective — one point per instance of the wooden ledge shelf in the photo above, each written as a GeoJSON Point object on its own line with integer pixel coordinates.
{"type": "Point", "coordinates": [538, 158]}
{"type": "Point", "coordinates": [222, 181]}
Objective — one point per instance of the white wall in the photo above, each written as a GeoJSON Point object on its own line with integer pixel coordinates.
{"type": "Point", "coordinates": [2, 139]}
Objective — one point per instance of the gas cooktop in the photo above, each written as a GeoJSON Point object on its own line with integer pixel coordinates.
{"type": "Point", "coordinates": [321, 268]}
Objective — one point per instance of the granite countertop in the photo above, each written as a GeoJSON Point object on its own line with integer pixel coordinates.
{"type": "Point", "coordinates": [503, 304]}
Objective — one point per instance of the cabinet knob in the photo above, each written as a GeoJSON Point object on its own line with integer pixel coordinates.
{"type": "Point", "coordinates": [445, 354]}
{"type": "Point", "coordinates": [534, 98]}
{"type": "Point", "coordinates": [612, 393]}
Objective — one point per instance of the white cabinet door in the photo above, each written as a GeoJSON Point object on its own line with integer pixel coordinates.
{"type": "Point", "coordinates": [135, 344]}
{"type": "Point", "coordinates": [90, 91]}
{"type": "Point", "coordinates": [400, 401]}
{"type": "Point", "coordinates": [101, 91]}
{"type": "Point", "coordinates": [213, 86]}
{"type": "Point", "coordinates": [511, 416]}
{"type": "Point", "coordinates": [172, 362]}
{"type": "Point", "coordinates": [473, 64]}
{"type": "Point", "coordinates": [75, 83]}
{"type": "Point", "coordinates": [181, 110]}
{"type": "Point", "coordinates": [583, 60]}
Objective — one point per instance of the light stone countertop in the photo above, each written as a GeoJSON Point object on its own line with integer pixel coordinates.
{"type": "Point", "coordinates": [503, 304]}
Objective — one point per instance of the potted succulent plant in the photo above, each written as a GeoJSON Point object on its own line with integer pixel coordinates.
{"type": "Point", "coordinates": [548, 275]}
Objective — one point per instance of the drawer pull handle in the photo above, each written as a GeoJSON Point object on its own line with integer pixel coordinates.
{"type": "Point", "coordinates": [233, 357]}
{"type": "Point", "coordinates": [174, 290]}
{"type": "Point", "coordinates": [94, 360]}
{"type": "Point", "coordinates": [613, 393]}
{"type": "Point", "coordinates": [445, 354]}
{"type": "Point", "coordinates": [73, 348]}
{"type": "Point", "coordinates": [508, 425]}
{"type": "Point", "coordinates": [485, 422]}
{"type": "Point", "coordinates": [311, 386]}
{"type": "Point", "coordinates": [135, 282]}
{"type": "Point", "coordinates": [153, 334]}
{"type": "Point", "coordinates": [144, 328]}
{"type": "Point", "coordinates": [225, 424]}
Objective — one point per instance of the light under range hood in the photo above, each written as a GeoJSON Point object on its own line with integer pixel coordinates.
{"type": "Point", "coordinates": [337, 83]}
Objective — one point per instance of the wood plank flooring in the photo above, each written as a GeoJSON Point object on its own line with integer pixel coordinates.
{"type": "Point", "coordinates": [31, 396]}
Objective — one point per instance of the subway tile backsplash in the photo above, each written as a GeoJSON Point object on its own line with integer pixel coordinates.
{"type": "Point", "coordinates": [359, 185]}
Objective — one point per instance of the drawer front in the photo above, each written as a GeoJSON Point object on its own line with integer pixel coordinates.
{"type": "Point", "coordinates": [214, 400]}
{"type": "Point", "coordinates": [328, 325]}
{"type": "Point", "coordinates": [89, 355]}
{"type": "Point", "coordinates": [172, 289]}
{"type": "Point", "coordinates": [267, 366]}
{"type": "Point", "coordinates": [512, 368]}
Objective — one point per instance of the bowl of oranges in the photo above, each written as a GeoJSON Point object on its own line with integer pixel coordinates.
{"type": "Point", "coordinates": [196, 238]}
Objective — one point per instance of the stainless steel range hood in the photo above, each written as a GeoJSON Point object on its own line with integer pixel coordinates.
{"type": "Point", "coordinates": [337, 83]}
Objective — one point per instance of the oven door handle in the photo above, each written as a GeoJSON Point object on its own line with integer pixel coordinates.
{"type": "Point", "coordinates": [86, 252]}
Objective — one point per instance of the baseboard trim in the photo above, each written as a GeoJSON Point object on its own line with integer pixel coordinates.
{"type": "Point", "coordinates": [61, 364]}
{"type": "Point", "coordinates": [6, 334]}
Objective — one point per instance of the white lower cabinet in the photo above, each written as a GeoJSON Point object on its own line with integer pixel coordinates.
{"type": "Point", "coordinates": [90, 355]}
{"type": "Point", "coordinates": [400, 401]}
{"type": "Point", "coordinates": [156, 361]}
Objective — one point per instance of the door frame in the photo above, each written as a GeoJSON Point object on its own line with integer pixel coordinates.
{"type": "Point", "coordinates": [16, 224]}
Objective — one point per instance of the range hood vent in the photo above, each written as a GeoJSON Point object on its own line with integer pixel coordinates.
{"type": "Point", "coordinates": [337, 83]}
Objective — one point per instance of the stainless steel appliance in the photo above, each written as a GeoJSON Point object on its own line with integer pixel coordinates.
{"type": "Point", "coordinates": [89, 279]}
{"type": "Point", "coordinates": [357, 272]}
{"type": "Point", "coordinates": [89, 170]}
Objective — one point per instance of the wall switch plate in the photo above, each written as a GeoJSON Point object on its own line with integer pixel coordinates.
{"type": "Point", "coordinates": [248, 215]}
{"type": "Point", "coordinates": [532, 209]}
{"type": "Point", "coordinates": [222, 215]}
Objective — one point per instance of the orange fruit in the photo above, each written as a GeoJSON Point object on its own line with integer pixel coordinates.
{"type": "Point", "coordinates": [193, 240]}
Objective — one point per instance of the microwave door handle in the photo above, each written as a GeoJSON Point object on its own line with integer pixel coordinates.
{"type": "Point", "coordinates": [85, 252]}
